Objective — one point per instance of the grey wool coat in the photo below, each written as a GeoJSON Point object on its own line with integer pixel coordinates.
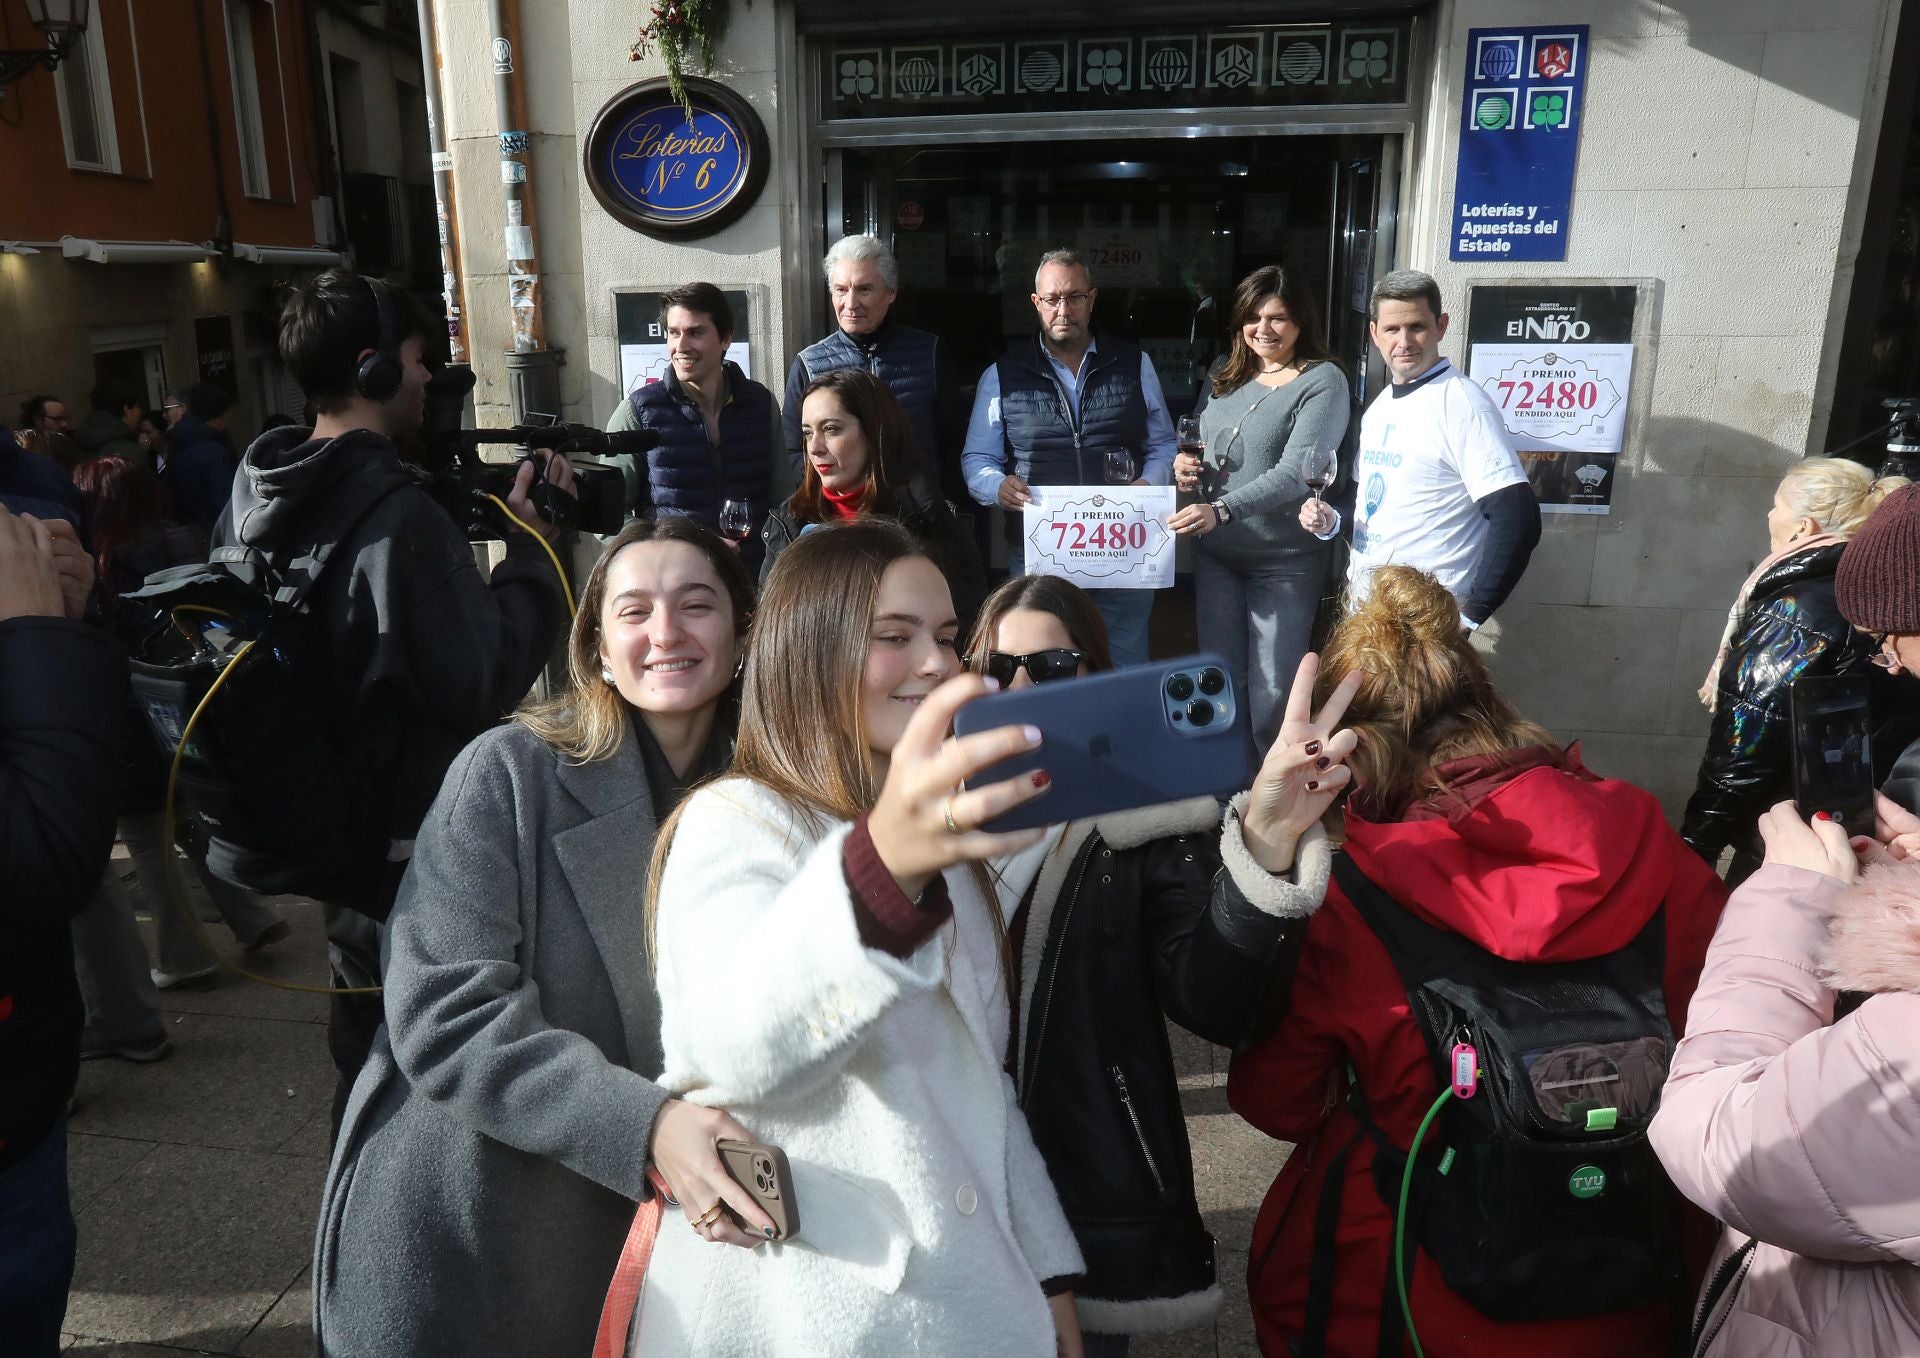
{"type": "Point", "coordinates": [496, 1142]}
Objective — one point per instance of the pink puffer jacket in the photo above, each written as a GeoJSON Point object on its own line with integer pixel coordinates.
{"type": "Point", "coordinates": [1799, 1132]}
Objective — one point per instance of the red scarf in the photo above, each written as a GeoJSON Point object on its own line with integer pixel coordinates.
{"type": "Point", "coordinates": [844, 504]}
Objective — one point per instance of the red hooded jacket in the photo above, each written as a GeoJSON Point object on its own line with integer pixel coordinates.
{"type": "Point", "coordinates": [1534, 859]}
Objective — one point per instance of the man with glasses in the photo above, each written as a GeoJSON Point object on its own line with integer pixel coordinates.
{"type": "Point", "coordinates": [1047, 413]}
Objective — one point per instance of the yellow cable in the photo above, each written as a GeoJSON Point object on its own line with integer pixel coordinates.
{"type": "Point", "coordinates": [171, 870]}
{"type": "Point", "coordinates": [545, 546]}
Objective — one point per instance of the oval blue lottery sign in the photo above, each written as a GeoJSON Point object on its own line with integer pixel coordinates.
{"type": "Point", "coordinates": [659, 172]}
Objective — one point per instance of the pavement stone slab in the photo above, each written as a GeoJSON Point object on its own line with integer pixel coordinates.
{"type": "Point", "coordinates": [242, 1084]}
{"type": "Point", "coordinates": [193, 1246]}
{"type": "Point", "coordinates": [287, 1330]}
{"type": "Point", "coordinates": [300, 959]}
{"type": "Point", "coordinates": [97, 1163]}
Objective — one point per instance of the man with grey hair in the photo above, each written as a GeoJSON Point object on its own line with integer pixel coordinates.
{"type": "Point", "coordinates": [1049, 411]}
{"type": "Point", "coordinates": [863, 280]}
{"type": "Point", "coordinates": [1438, 484]}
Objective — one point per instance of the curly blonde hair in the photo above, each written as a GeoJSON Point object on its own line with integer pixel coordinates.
{"type": "Point", "coordinates": [1426, 697]}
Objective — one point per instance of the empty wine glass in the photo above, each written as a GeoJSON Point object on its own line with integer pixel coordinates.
{"type": "Point", "coordinates": [1318, 469]}
{"type": "Point", "coordinates": [1119, 467]}
{"type": "Point", "coordinates": [736, 520]}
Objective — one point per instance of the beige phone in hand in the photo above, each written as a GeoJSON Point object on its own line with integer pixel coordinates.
{"type": "Point", "coordinates": [762, 1170]}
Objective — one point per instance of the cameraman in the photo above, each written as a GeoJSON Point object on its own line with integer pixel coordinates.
{"type": "Point", "coordinates": [424, 653]}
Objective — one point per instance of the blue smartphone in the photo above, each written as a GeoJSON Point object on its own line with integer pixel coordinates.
{"type": "Point", "coordinates": [1135, 737]}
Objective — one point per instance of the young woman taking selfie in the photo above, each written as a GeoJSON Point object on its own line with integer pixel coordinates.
{"type": "Point", "coordinates": [500, 1133]}
{"type": "Point", "coordinates": [831, 968]}
{"type": "Point", "coordinates": [1123, 921]}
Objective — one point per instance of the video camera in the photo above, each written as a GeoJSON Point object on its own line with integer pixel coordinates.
{"type": "Point", "coordinates": [462, 480]}
{"type": "Point", "coordinates": [1903, 437]}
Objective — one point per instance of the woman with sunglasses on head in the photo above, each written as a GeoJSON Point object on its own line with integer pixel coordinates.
{"type": "Point", "coordinates": [494, 1146]}
{"type": "Point", "coordinates": [1122, 922]}
{"type": "Point", "coordinates": [1785, 625]}
{"type": "Point", "coordinates": [859, 459]}
{"type": "Point", "coordinates": [831, 968]}
{"type": "Point", "coordinates": [1278, 406]}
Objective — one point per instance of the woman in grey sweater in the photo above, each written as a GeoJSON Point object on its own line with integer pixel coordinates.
{"type": "Point", "coordinates": [1278, 402]}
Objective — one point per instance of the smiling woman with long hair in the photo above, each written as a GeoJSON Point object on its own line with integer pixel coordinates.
{"type": "Point", "coordinates": [498, 1138]}
{"type": "Point", "coordinates": [832, 967]}
{"type": "Point", "coordinates": [857, 457]}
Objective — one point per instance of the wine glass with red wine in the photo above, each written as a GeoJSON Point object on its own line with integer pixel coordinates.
{"type": "Point", "coordinates": [736, 520]}
{"type": "Point", "coordinates": [1319, 469]}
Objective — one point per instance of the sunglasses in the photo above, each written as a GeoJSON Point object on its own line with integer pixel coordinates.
{"type": "Point", "coordinates": [1041, 666]}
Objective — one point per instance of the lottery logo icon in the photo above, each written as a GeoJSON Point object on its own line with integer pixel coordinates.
{"type": "Point", "coordinates": [858, 77]}
{"type": "Point", "coordinates": [1376, 493]}
{"type": "Point", "coordinates": [980, 74]}
{"type": "Point", "coordinates": [1105, 68]}
{"type": "Point", "coordinates": [1554, 60]}
{"type": "Point", "coordinates": [1302, 62]}
{"type": "Point", "coordinates": [1233, 65]}
{"type": "Point", "coordinates": [917, 77]}
{"type": "Point", "coordinates": [1498, 60]}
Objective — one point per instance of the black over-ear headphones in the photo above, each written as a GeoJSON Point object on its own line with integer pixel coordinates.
{"type": "Point", "coordinates": [380, 371]}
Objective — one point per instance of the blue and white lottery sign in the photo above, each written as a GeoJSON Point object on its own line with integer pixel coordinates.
{"type": "Point", "coordinates": [1520, 116]}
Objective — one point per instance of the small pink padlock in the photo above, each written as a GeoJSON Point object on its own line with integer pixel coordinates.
{"type": "Point", "coordinates": [1466, 1070]}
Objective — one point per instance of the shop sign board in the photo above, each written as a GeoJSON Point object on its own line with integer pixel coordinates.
{"type": "Point", "coordinates": [660, 173]}
{"type": "Point", "coordinates": [643, 339]}
{"type": "Point", "coordinates": [1558, 361]}
{"type": "Point", "coordinates": [1101, 537]}
{"type": "Point", "coordinates": [1520, 114]}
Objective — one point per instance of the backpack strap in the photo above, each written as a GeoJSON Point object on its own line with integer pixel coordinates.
{"type": "Point", "coordinates": [1320, 1266]}
{"type": "Point", "coordinates": [1420, 951]}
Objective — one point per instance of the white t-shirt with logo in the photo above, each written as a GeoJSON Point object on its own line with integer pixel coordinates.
{"type": "Point", "coordinates": [1426, 455]}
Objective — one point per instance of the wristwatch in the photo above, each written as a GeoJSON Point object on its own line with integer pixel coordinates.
{"type": "Point", "coordinates": [1221, 511]}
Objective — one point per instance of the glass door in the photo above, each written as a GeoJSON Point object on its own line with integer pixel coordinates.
{"type": "Point", "coordinates": [1169, 224]}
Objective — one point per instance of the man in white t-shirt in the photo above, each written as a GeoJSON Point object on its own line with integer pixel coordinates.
{"type": "Point", "coordinates": [1437, 483]}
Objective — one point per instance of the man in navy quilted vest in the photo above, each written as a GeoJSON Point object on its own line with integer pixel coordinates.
{"type": "Point", "coordinates": [718, 428]}
{"type": "Point", "coordinates": [1048, 412]}
{"type": "Point", "coordinates": [863, 282]}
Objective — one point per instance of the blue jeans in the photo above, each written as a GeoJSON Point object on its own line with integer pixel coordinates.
{"type": "Point", "coordinates": [36, 1248]}
{"type": "Point", "coordinates": [1126, 612]}
{"type": "Point", "coordinates": [1261, 623]}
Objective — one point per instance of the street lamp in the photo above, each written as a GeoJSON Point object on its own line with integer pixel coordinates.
{"type": "Point", "coordinates": [61, 22]}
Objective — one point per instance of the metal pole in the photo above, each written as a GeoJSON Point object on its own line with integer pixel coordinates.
{"type": "Point", "coordinates": [453, 283]}
{"type": "Point", "coordinates": [533, 376]}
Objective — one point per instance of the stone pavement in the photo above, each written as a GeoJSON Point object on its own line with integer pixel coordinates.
{"type": "Point", "coordinates": [196, 1179]}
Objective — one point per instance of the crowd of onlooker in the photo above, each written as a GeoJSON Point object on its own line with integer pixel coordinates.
{"type": "Point", "coordinates": [730, 877]}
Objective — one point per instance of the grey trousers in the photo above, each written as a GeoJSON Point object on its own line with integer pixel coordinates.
{"type": "Point", "coordinates": [1261, 622]}
{"type": "Point", "coordinates": [181, 952]}
{"type": "Point", "coordinates": [110, 960]}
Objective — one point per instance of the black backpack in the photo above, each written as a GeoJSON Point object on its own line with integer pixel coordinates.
{"type": "Point", "coordinates": [1538, 1196]}
{"type": "Point", "coordinates": [272, 789]}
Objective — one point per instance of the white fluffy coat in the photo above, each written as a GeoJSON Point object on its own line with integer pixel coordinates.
{"type": "Point", "coordinates": [927, 1220]}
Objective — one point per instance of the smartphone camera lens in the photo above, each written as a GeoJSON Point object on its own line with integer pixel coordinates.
{"type": "Point", "coordinates": [1212, 681]}
{"type": "Point", "coordinates": [1200, 712]}
{"type": "Point", "coordinates": [1180, 688]}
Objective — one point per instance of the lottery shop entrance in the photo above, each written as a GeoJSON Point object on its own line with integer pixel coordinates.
{"type": "Point", "coordinates": [1178, 159]}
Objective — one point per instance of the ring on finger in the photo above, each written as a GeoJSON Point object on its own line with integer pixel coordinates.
{"type": "Point", "coordinates": [946, 814]}
{"type": "Point", "coordinates": [708, 1217]}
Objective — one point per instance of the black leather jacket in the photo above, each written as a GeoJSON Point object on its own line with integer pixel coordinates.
{"type": "Point", "coordinates": [1133, 921]}
{"type": "Point", "coordinates": [1791, 628]}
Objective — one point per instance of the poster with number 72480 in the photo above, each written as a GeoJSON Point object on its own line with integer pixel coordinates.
{"type": "Point", "coordinates": [1101, 537]}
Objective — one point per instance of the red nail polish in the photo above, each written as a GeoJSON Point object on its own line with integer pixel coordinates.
{"type": "Point", "coordinates": [1041, 778]}
{"type": "Point", "coordinates": [1821, 815]}
{"type": "Point", "coordinates": [1313, 787]}
{"type": "Point", "coordinates": [1323, 763]}
{"type": "Point", "coordinates": [1313, 747]}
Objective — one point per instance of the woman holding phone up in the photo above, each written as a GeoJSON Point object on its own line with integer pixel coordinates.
{"type": "Point", "coordinates": [831, 968]}
{"type": "Point", "coordinates": [498, 1137]}
{"type": "Point", "coordinates": [1126, 920]}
